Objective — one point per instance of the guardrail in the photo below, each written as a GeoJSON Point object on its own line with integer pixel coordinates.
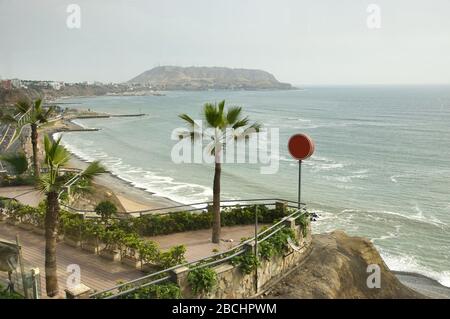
{"type": "Point", "coordinates": [214, 259]}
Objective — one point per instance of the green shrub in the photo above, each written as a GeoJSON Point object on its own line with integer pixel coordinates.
{"type": "Point", "coordinates": [247, 262]}
{"type": "Point", "coordinates": [266, 250]}
{"type": "Point", "coordinates": [106, 210]}
{"type": "Point", "coordinates": [174, 256]}
{"type": "Point", "coordinates": [159, 291]}
{"type": "Point", "coordinates": [72, 226]}
{"type": "Point", "coordinates": [153, 225]}
{"type": "Point", "coordinates": [4, 294]}
{"type": "Point", "coordinates": [202, 280]}
{"type": "Point", "coordinates": [92, 230]}
{"type": "Point", "coordinates": [303, 220]}
{"type": "Point", "coordinates": [148, 251]}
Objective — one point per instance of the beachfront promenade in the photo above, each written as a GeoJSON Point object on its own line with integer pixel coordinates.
{"type": "Point", "coordinates": [99, 273]}
{"type": "Point", "coordinates": [96, 272]}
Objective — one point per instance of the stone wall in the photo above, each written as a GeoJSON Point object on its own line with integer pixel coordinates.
{"type": "Point", "coordinates": [232, 283]}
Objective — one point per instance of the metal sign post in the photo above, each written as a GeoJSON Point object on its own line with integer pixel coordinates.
{"type": "Point", "coordinates": [299, 183]}
{"type": "Point", "coordinates": [301, 147]}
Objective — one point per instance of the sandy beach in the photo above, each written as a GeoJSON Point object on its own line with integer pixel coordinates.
{"type": "Point", "coordinates": [131, 198]}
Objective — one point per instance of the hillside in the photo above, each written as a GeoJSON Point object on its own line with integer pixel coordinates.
{"type": "Point", "coordinates": [203, 78]}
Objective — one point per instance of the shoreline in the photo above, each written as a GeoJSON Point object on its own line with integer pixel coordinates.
{"type": "Point", "coordinates": [132, 198]}
{"type": "Point", "coordinates": [423, 284]}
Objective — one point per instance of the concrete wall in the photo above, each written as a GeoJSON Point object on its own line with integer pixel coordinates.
{"type": "Point", "coordinates": [232, 283]}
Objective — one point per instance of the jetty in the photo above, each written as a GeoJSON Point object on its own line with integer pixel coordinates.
{"type": "Point", "coordinates": [105, 116]}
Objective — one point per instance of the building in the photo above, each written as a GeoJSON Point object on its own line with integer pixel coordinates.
{"type": "Point", "coordinates": [57, 85]}
{"type": "Point", "coordinates": [6, 85]}
{"type": "Point", "coordinates": [16, 83]}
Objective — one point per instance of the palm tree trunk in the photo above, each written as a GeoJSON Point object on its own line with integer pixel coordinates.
{"type": "Point", "coordinates": [216, 204]}
{"type": "Point", "coordinates": [34, 144]}
{"type": "Point", "coordinates": [51, 220]}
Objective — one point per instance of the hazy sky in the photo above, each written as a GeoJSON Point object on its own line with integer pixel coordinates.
{"type": "Point", "coordinates": [301, 42]}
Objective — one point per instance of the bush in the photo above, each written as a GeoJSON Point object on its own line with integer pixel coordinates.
{"type": "Point", "coordinates": [72, 226]}
{"type": "Point", "coordinates": [174, 256]}
{"type": "Point", "coordinates": [92, 230]}
{"type": "Point", "coordinates": [159, 291]}
{"type": "Point", "coordinates": [202, 280]}
{"type": "Point", "coordinates": [247, 262]}
{"type": "Point", "coordinates": [4, 294]}
{"type": "Point", "coordinates": [276, 244]}
{"type": "Point", "coordinates": [304, 220]}
{"type": "Point", "coordinates": [106, 210]}
{"type": "Point", "coordinates": [148, 251]}
{"type": "Point", "coordinates": [153, 225]}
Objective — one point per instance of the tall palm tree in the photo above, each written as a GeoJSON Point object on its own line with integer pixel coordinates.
{"type": "Point", "coordinates": [32, 114]}
{"type": "Point", "coordinates": [52, 184]}
{"type": "Point", "coordinates": [217, 118]}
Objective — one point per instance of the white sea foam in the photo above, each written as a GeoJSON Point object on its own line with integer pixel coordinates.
{"type": "Point", "coordinates": [163, 186]}
{"type": "Point", "coordinates": [408, 263]}
{"type": "Point", "coordinates": [419, 217]}
{"type": "Point", "coordinates": [319, 163]}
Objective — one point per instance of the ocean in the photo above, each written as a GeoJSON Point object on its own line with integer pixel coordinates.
{"type": "Point", "coordinates": [381, 166]}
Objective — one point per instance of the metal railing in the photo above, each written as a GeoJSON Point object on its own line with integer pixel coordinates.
{"type": "Point", "coordinates": [211, 260]}
{"type": "Point", "coordinates": [192, 207]}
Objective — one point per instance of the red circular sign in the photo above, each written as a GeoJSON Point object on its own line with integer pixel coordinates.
{"type": "Point", "coordinates": [301, 146]}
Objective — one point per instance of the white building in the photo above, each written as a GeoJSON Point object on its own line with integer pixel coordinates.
{"type": "Point", "coordinates": [16, 83]}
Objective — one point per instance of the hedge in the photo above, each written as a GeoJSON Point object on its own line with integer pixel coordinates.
{"type": "Point", "coordinates": [153, 225]}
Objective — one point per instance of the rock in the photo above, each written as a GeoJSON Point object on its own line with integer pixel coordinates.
{"type": "Point", "coordinates": [338, 268]}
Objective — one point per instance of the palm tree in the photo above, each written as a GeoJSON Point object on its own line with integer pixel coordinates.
{"type": "Point", "coordinates": [52, 184]}
{"type": "Point", "coordinates": [32, 114]}
{"type": "Point", "coordinates": [220, 120]}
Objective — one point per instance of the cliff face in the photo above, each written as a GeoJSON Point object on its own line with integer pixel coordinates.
{"type": "Point", "coordinates": [200, 78]}
{"type": "Point", "coordinates": [337, 268]}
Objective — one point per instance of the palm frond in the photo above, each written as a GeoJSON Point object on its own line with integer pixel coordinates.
{"type": "Point", "coordinates": [18, 162]}
{"type": "Point", "coordinates": [211, 114]}
{"type": "Point", "coordinates": [55, 154]}
{"type": "Point", "coordinates": [256, 126]}
{"type": "Point", "coordinates": [233, 114]}
{"type": "Point", "coordinates": [241, 123]}
{"type": "Point", "coordinates": [44, 183]}
{"type": "Point", "coordinates": [23, 106]}
{"type": "Point", "coordinates": [45, 116]}
{"type": "Point", "coordinates": [94, 169]}
{"type": "Point", "coordinates": [8, 119]}
{"type": "Point", "coordinates": [187, 118]}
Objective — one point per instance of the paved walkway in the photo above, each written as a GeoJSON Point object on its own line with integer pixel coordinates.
{"type": "Point", "coordinates": [27, 195]}
{"type": "Point", "coordinates": [96, 272]}
{"type": "Point", "coordinates": [100, 274]}
{"type": "Point", "coordinates": [198, 243]}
